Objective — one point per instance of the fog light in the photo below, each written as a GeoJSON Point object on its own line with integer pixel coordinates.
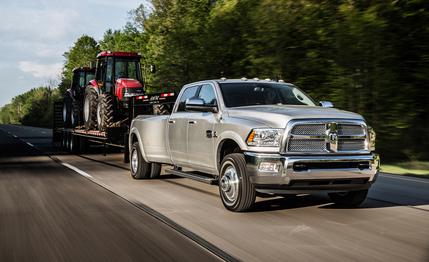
{"type": "Point", "coordinates": [268, 167]}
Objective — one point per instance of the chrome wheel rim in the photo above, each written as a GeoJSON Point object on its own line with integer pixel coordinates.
{"type": "Point", "coordinates": [86, 109]}
{"type": "Point", "coordinates": [229, 184]}
{"type": "Point", "coordinates": [134, 161]}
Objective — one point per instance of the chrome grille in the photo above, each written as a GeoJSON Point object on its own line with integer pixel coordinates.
{"type": "Point", "coordinates": [313, 130]}
{"type": "Point", "coordinates": [305, 145]}
{"type": "Point", "coordinates": [327, 136]}
{"type": "Point", "coordinates": [351, 145]}
{"type": "Point", "coordinates": [350, 130]}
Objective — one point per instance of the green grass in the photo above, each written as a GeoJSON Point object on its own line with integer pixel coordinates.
{"type": "Point", "coordinates": [411, 168]}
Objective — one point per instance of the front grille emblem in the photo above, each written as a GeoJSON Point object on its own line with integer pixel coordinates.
{"type": "Point", "coordinates": [331, 137]}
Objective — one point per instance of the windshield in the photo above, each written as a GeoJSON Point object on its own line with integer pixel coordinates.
{"type": "Point", "coordinates": [250, 94]}
{"type": "Point", "coordinates": [125, 68]}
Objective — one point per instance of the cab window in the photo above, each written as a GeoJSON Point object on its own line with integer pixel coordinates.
{"type": "Point", "coordinates": [188, 93]}
{"type": "Point", "coordinates": [207, 94]}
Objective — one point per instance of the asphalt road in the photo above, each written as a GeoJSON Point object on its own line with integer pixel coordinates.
{"type": "Point", "coordinates": [49, 211]}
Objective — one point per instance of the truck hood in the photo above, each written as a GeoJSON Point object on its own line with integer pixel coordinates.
{"type": "Point", "coordinates": [277, 116]}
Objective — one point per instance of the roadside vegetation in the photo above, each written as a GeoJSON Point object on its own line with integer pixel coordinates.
{"type": "Point", "coordinates": [410, 168]}
{"type": "Point", "coordinates": [370, 57]}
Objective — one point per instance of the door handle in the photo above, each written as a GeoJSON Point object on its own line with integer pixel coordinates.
{"type": "Point", "coordinates": [192, 122]}
{"type": "Point", "coordinates": [171, 121]}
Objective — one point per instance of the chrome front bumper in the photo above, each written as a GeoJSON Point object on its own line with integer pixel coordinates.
{"type": "Point", "coordinates": [300, 174]}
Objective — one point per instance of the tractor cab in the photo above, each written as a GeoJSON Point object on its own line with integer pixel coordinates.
{"type": "Point", "coordinates": [119, 74]}
{"type": "Point", "coordinates": [107, 97]}
{"type": "Point", "coordinates": [81, 77]}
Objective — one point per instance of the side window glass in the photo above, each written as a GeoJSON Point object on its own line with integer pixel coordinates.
{"type": "Point", "coordinates": [188, 93]}
{"type": "Point", "coordinates": [109, 69]}
{"type": "Point", "coordinates": [208, 95]}
{"type": "Point", "coordinates": [82, 79]}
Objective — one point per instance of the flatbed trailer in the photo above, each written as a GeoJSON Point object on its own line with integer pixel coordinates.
{"type": "Point", "coordinates": [78, 139]}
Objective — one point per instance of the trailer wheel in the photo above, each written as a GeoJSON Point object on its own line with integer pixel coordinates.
{"type": "Point", "coordinates": [140, 169]}
{"type": "Point", "coordinates": [349, 199]}
{"type": "Point", "coordinates": [105, 112]}
{"type": "Point", "coordinates": [237, 192]}
{"type": "Point", "coordinates": [63, 140]}
{"type": "Point", "coordinates": [83, 145]}
{"type": "Point", "coordinates": [90, 108]}
{"type": "Point", "coordinates": [155, 170]}
{"type": "Point", "coordinates": [74, 144]}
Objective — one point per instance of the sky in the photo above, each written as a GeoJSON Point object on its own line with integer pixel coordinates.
{"type": "Point", "coordinates": [34, 34]}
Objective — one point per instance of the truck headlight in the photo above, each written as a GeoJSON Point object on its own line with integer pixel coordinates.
{"type": "Point", "coordinates": [265, 137]}
{"type": "Point", "coordinates": [372, 135]}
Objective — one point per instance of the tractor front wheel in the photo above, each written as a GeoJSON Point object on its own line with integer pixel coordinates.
{"type": "Point", "coordinates": [105, 112]}
{"type": "Point", "coordinates": [90, 108]}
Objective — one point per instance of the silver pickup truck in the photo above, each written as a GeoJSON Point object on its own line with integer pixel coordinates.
{"type": "Point", "coordinates": [257, 137]}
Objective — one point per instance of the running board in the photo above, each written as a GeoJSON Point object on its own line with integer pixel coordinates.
{"type": "Point", "coordinates": [197, 177]}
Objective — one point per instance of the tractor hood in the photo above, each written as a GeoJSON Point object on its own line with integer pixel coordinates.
{"type": "Point", "coordinates": [127, 87]}
{"type": "Point", "coordinates": [128, 83]}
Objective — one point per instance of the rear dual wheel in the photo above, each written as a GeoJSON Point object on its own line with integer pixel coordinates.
{"type": "Point", "coordinates": [140, 169]}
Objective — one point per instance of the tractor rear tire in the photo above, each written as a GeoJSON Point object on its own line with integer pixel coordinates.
{"type": "Point", "coordinates": [90, 108]}
{"type": "Point", "coordinates": [76, 118]}
{"type": "Point", "coordinates": [67, 109]}
{"type": "Point", "coordinates": [105, 117]}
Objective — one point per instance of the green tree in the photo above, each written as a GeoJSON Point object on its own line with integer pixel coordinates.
{"type": "Point", "coordinates": [82, 53]}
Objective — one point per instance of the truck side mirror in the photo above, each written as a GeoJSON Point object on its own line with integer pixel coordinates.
{"type": "Point", "coordinates": [197, 104]}
{"type": "Point", "coordinates": [326, 104]}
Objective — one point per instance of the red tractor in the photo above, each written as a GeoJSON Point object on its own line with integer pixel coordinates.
{"type": "Point", "coordinates": [107, 97]}
{"type": "Point", "coordinates": [74, 96]}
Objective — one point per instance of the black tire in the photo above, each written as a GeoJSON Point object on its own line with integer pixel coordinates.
{"type": "Point", "coordinates": [105, 117]}
{"type": "Point", "coordinates": [68, 142]}
{"type": "Point", "coordinates": [349, 199]}
{"type": "Point", "coordinates": [139, 169]}
{"type": "Point", "coordinates": [74, 144]}
{"type": "Point", "coordinates": [90, 108]}
{"type": "Point", "coordinates": [63, 140]}
{"type": "Point", "coordinates": [155, 170]}
{"type": "Point", "coordinates": [83, 145]}
{"type": "Point", "coordinates": [67, 109]}
{"type": "Point", "coordinates": [76, 119]}
{"type": "Point", "coordinates": [244, 195]}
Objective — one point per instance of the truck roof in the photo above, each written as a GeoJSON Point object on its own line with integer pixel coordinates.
{"type": "Point", "coordinates": [242, 80]}
{"type": "Point", "coordinates": [83, 68]}
{"type": "Point", "coordinates": [120, 54]}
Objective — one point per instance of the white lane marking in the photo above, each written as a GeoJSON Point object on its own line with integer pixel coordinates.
{"type": "Point", "coordinates": [80, 172]}
{"type": "Point", "coordinates": [30, 144]}
{"type": "Point", "coordinates": [422, 180]}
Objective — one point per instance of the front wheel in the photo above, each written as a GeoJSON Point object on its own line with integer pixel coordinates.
{"type": "Point", "coordinates": [90, 108]}
{"type": "Point", "coordinates": [140, 169]}
{"type": "Point", "coordinates": [349, 199]}
{"type": "Point", "coordinates": [237, 192]}
{"type": "Point", "coordinates": [105, 112]}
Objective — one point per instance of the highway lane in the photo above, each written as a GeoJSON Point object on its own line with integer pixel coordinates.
{"type": "Point", "coordinates": [50, 213]}
{"type": "Point", "coordinates": [391, 225]}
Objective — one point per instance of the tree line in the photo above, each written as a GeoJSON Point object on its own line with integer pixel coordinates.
{"type": "Point", "coordinates": [370, 57]}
